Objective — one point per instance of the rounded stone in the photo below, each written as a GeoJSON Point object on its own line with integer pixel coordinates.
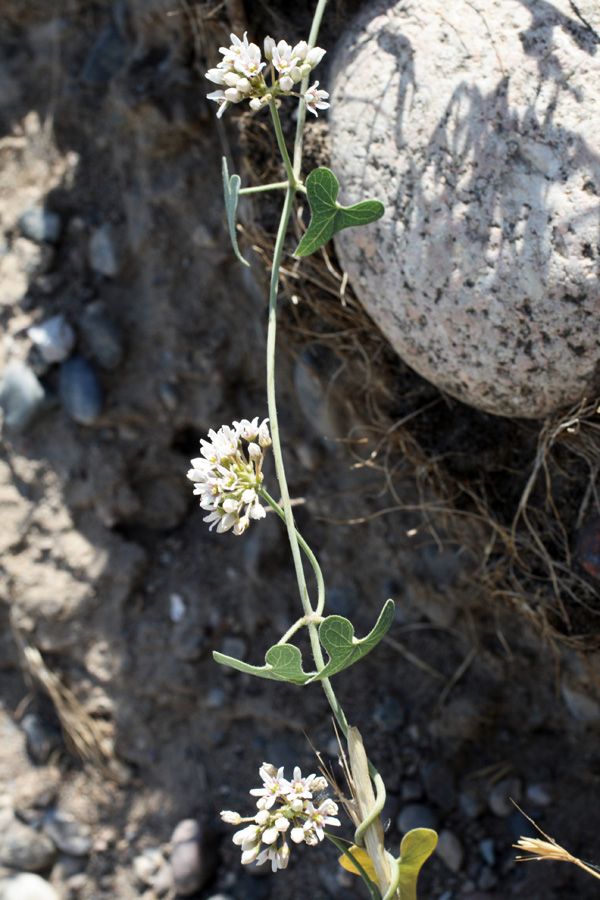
{"type": "Point", "coordinates": [476, 125]}
{"type": "Point", "coordinates": [26, 886]}
{"type": "Point", "coordinates": [80, 391]}
{"type": "Point", "coordinates": [190, 864]}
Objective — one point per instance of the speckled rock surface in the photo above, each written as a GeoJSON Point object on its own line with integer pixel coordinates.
{"type": "Point", "coordinates": [476, 124]}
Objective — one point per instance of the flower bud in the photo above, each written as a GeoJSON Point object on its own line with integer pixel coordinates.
{"type": "Point", "coordinates": [315, 56]}
{"type": "Point", "coordinates": [216, 75]}
{"type": "Point", "coordinates": [296, 74]}
{"type": "Point", "coordinates": [269, 769]}
{"type": "Point", "coordinates": [232, 818]}
{"type": "Point", "coordinates": [231, 79]}
{"type": "Point", "coordinates": [286, 83]}
{"type": "Point", "coordinates": [300, 50]}
{"type": "Point", "coordinates": [255, 103]}
{"type": "Point", "coordinates": [233, 95]}
{"type": "Point", "coordinates": [297, 835]}
{"type": "Point", "coordinates": [264, 438]}
{"type": "Point", "coordinates": [268, 47]}
{"type": "Point", "coordinates": [244, 85]}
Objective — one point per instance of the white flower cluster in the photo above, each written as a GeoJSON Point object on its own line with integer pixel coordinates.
{"type": "Point", "coordinates": [228, 480]}
{"type": "Point", "coordinates": [284, 807]}
{"type": "Point", "coordinates": [240, 73]}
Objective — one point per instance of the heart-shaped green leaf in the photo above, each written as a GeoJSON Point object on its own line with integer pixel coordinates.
{"type": "Point", "coordinates": [327, 216]}
{"type": "Point", "coordinates": [283, 662]}
{"type": "Point", "coordinates": [231, 189]}
{"type": "Point", "coordinates": [337, 636]}
{"type": "Point", "coordinates": [416, 847]}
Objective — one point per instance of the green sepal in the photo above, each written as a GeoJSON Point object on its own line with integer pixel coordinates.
{"type": "Point", "coordinates": [327, 216]}
{"type": "Point", "coordinates": [231, 189]}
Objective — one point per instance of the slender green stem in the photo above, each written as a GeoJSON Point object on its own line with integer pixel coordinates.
{"type": "Point", "coordinates": [259, 188]}
{"type": "Point", "coordinates": [312, 40]}
{"type": "Point", "coordinates": [311, 556]}
{"type": "Point", "coordinates": [341, 846]}
{"type": "Point", "coordinates": [281, 144]}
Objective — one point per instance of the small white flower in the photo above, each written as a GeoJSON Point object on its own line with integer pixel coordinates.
{"type": "Point", "coordinates": [219, 97]}
{"type": "Point", "coordinates": [286, 83]}
{"type": "Point", "coordinates": [249, 62]}
{"type": "Point", "coordinates": [273, 788]}
{"type": "Point", "coordinates": [316, 99]}
{"type": "Point", "coordinates": [283, 60]}
{"type": "Point", "coordinates": [278, 858]}
{"type": "Point", "coordinates": [297, 834]}
{"type": "Point", "coordinates": [318, 818]}
{"type": "Point", "coordinates": [301, 787]}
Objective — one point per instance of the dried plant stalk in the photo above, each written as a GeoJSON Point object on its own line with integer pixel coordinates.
{"type": "Point", "coordinates": [365, 799]}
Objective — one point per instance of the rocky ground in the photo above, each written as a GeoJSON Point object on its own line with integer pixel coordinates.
{"type": "Point", "coordinates": [121, 738]}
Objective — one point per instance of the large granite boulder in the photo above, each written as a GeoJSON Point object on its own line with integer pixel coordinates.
{"type": "Point", "coordinates": [477, 123]}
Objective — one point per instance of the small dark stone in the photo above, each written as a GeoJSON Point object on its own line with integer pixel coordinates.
{"type": "Point", "coordinates": [80, 391]}
{"type": "Point", "coordinates": [103, 336]}
{"type": "Point", "coordinates": [439, 784]}
{"type": "Point", "coordinates": [42, 738]}
{"type": "Point", "coordinates": [390, 715]}
{"type": "Point", "coordinates": [416, 815]}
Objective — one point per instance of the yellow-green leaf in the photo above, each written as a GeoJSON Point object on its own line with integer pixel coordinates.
{"type": "Point", "coordinates": [416, 847]}
{"type": "Point", "coordinates": [362, 857]}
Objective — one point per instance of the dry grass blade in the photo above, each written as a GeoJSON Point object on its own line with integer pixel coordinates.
{"type": "Point", "coordinates": [82, 733]}
{"type": "Point", "coordinates": [548, 849]}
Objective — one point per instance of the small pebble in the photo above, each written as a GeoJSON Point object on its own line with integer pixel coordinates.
{"type": "Point", "coordinates": [176, 607]}
{"type": "Point", "coordinates": [22, 397]}
{"type": "Point", "coordinates": [390, 715]}
{"type": "Point", "coordinates": [168, 396]}
{"type": "Point", "coordinates": [40, 225]}
{"type": "Point", "coordinates": [416, 815]}
{"type": "Point", "coordinates": [581, 706]}
{"type": "Point", "coordinates": [439, 783]}
{"type": "Point", "coordinates": [188, 858]}
{"type": "Point", "coordinates": [472, 801]}
{"type": "Point", "coordinates": [487, 879]}
{"type": "Point", "coordinates": [22, 847]}
{"type": "Point", "coordinates": [501, 796]}
{"type": "Point", "coordinates": [450, 850]}
{"type": "Point", "coordinates": [540, 794]}
{"type": "Point", "coordinates": [102, 253]}
{"type": "Point", "coordinates": [70, 836]}
{"type": "Point", "coordinates": [42, 738]}
{"type": "Point", "coordinates": [103, 336]}
{"type": "Point", "coordinates": [80, 391]}
{"type": "Point", "coordinates": [412, 790]}
{"type": "Point", "coordinates": [26, 887]}
{"type": "Point", "coordinates": [54, 338]}
{"type": "Point", "coordinates": [487, 851]}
